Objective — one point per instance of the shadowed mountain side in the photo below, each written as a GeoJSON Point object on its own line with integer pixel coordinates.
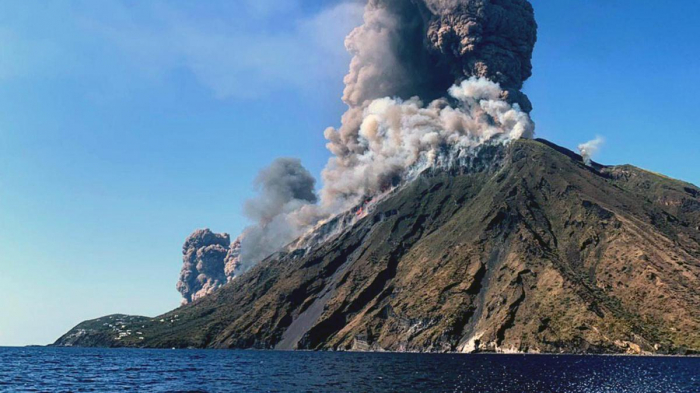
{"type": "Point", "coordinates": [527, 249]}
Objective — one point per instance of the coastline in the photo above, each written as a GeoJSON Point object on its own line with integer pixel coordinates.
{"type": "Point", "coordinates": [480, 353]}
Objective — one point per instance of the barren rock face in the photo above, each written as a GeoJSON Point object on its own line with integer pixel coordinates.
{"type": "Point", "coordinates": [204, 260]}
{"type": "Point", "coordinates": [528, 249]}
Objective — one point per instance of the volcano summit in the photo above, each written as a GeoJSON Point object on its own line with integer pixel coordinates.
{"type": "Point", "coordinates": [525, 249]}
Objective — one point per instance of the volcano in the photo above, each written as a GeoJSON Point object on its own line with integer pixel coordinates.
{"type": "Point", "coordinates": [525, 248]}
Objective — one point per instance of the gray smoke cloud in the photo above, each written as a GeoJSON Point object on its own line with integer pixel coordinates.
{"type": "Point", "coordinates": [492, 39]}
{"type": "Point", "coordinates": [282, 210]}
{"type": "Point", "coordinates": [204, 259]}
{"type": "Point", "coordinates": [232, 262]}
{"type": "Point", "coordinates": [430, 82]}
{"type": "Point", "coordinates": [420, 48]}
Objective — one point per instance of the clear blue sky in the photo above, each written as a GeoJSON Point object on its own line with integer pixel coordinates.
{"type": "Point", "coordinates": [126, 125]}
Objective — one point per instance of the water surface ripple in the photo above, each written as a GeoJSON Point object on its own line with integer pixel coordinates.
{"type": "Point", "coordinates": [89, 370]}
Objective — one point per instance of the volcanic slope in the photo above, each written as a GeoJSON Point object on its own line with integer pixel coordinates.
{"type": "Point", "coordinates": [524, 249]}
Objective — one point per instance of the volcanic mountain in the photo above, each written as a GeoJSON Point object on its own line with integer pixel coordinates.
{"type": "Point", "coordinates": [523, 249]}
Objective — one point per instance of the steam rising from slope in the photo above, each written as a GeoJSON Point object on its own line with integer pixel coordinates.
{"type": "Point", "coordinates": [397, 137]}
{"type": "Point", "coordinates": [589, 149]}
{"type": "Point", "coordinates": [430, 81]}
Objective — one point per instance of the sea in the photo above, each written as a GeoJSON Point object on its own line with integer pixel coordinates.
{"type": "Point", "coordinates": [39, 369]}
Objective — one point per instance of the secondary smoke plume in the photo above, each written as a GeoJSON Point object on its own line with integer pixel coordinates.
{"type": "Point", "coordinates": [589, 149]}
{"type": "Point", "coordinates": [430, 81]}
{"type": "Point", "coordinates": [232, 262]}
{"type": "Point", "coordinates": [204, 257]}
{"type": "Point", "coordinates": [282, 210]}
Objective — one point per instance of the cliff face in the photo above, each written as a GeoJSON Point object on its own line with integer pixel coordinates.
{"type": "Point", "coordinates": [527, 249]}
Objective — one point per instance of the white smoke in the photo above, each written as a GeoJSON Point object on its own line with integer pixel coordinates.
{"type": "Point", "coordinates": [430, 83]}
{"type": "Point", "coordinates": [396, 135]}
{"type": "Point", "coordinates": [396, 140]}
{"type": "Point", "coordinates": [414, 102]}
{"type": "Point", "coordinates": [589, 149]}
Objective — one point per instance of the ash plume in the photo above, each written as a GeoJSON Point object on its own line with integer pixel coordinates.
{"type": "Point", "coordinates": [492, 39]}
{"type": "Point", "coordinates": [204, 259]}
{"type": "Point", "coordinates": [232, 262]}
{"type": "Point", "coordinates": [420, 48]}
{"type": "Point", "coordinates": [282, 210]}
{"type": "Point", "coordinates": [589, 149]}
{"type": "Point", "coordinates": [430, 82]}
{"type": "Point", "coordinates": [399, 137]}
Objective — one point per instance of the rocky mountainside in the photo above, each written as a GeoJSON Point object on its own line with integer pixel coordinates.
{"type": "Point", "coordinates": [526, 249]}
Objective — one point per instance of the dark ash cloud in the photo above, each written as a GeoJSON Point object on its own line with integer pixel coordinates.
{"type": "Point", "coordinates": [203, 256]}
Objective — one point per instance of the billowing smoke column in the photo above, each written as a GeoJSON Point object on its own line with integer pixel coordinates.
{"type": "Point", "coordinates": [398, 137]}
{"type": "Point", "coordinates": [430, 81]}
{"type": "Point", "coordinates": [283, 209]}
{"type": "Point", "coordinates": [420, 48]}
{"type": "Point", "coordinates": [415, 50]}
{"type": "Point", "coordinates": [206, 257]}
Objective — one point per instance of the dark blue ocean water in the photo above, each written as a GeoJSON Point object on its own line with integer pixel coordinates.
{"type": "Point", "coordinates": [84, 370]}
